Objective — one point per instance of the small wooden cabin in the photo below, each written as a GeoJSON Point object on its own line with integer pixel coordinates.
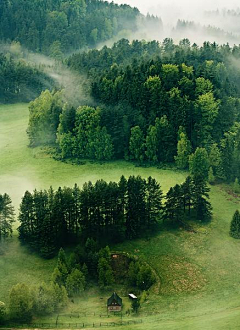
{"type": "Point", "coordinates": [114, 303]}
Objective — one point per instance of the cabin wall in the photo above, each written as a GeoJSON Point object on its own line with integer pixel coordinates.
{"type": "Point", "coordinates": [114, 308]}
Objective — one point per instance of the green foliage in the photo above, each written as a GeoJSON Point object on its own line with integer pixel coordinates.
{"type": "Point", "coordinates": [104, 211]}
{"type": "Point", "coordinates": [2, 312]}
{"type": "Point", "coordinates": [135, 305]}
{"type": "Point", "coordinates": [20, 303]}
{"type": "Point", "coordinates": [105, 273]}
{"type": "Point", "coordinates": [20, 81]}
{"type": "Point", "coordinates": [183, 151]}
{"type": "Point", "coordinates": [6, 216]}
{"type": "Point", "coordinates": [53, 27]}
{"type": "Point", "coordinates": [140, 275]}
{"type": "Point", "coordinates": [199, 164]}
{"type": "Point", "coordinates": [60, 273]}
{"type": "Point", "coordinates": [236, 186]}
{"type": "Point", "coordinates": [75, 283]}
{"type": "Point", "coordinates": [235, 225]}
{"type": "Point", "coordinates": [136, 144]}
{"type": "Point", "coordinates": [211, 177]}
{"type": "Point", "coordinates": [145, 277]}
{"type": "Point", "coordinates": [191, 195]}
{"type": "Point", "coordinates": [80, 134]}
{"type": "Point", "coordinates": [44, 118]}
{"type": "Point", "coordinates": [44, 299]}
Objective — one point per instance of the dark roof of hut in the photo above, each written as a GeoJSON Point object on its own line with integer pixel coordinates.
{"type": "Point", "coordinates": [115, 297]}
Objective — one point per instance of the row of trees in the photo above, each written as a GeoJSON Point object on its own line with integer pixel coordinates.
{"type": "Point", "coordinates": [97, 210]}
{"type": "Point", "coordinates": [50, 219]}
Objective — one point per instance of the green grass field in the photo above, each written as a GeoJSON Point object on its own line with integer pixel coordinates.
{"type": "Point", "coordinates": [199, 273]}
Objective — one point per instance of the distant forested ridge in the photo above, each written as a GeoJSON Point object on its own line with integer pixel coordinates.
{"type": "Point", "coordinates": [157, 103]}
{"type": "Point", "coordinates": [56, 27]}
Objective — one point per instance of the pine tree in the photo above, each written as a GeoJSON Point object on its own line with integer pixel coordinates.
{"type": "Point", "coordinates": [235, 225]}
{"type": "Point", "coordinates": [136, 206]}
{"type": "Point", "coordinates": [201, 205]}
{"type": "Point", "coordinates": [6, 216]}
{"type": "Point", "coordinates": [154, 198]}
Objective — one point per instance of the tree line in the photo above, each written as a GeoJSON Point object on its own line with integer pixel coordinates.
{"type": "Point", "coordinates": [101, 210]}
{"type": "Point", "coordinates": [109, 212]}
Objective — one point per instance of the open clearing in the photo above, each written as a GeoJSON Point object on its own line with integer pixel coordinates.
{"type": "Point", "coordinates": [200, 273]}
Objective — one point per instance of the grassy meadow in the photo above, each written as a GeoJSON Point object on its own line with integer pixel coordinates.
{"type": "Point", "coordinates": [199, 273]}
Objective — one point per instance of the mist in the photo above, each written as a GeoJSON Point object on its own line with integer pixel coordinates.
{"type": "Point", "coordinates": [73, 84]}
{"type": "Point", "coordinates": [212, 21]}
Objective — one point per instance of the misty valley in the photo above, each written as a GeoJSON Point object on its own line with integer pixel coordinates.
{"type": "Point", "coordinates": [119, 164]}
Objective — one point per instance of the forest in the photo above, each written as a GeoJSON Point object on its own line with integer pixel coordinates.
{"type": "Point", "coordinates": [157, 103]}
{"type": "Point", "coordinates": [120, 166]}
{"type": "Point", "coordinates": [57, 27]}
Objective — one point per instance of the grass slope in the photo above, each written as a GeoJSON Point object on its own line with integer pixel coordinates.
{"type": "Point", "coordinates": [200, 273]}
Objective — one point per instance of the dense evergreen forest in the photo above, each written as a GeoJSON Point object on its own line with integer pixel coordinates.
{"type": "Point", "coordinates": [55, 27]}
{"type": "Point", "coordinates": [157, 103]}
{"type": "Point", "coordinates": [107, 212]}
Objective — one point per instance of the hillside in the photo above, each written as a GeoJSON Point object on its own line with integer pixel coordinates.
{"type": "Point", "coordinates": [198, 272]}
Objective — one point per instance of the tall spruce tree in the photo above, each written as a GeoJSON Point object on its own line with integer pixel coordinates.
{"type": "Point", "coordinates": [6, 216]}
{"type": "Point", "coordinates": [235, 225]}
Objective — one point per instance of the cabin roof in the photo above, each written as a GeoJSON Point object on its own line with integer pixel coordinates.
{"type": "Point", "coordinates": [131, 295]}
{"type": "Point", "coordinates": [115, 297]}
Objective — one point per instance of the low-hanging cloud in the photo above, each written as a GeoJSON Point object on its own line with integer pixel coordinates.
{"type": "Point", "coordinates": [203, 13]}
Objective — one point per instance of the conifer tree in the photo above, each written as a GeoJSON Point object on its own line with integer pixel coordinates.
{"type": "Point", "coordinates": [235, 225]}
{"type": "Point", "coordinates": [6, 216]}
